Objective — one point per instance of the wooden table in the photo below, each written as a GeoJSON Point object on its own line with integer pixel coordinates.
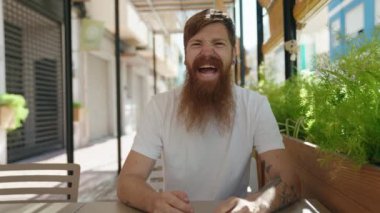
{"type": "Point", "coordinates": [305, 205]}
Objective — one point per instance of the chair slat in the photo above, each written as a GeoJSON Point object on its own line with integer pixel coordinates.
{"type": "Point", "coordinates": [36, 178]}
{"type": "Point", "coordinates": [37, 190]}
{"type": "Point", "coordinates": [36, 201]}
{"type": "Point", "coordinates": [71, 190]}
{"type": "Point", "coordinates": [38, 166]}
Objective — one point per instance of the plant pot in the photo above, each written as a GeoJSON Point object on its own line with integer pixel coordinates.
{"type": "Point", "coordinates": [7, 116]}
{"type": "Point", "coordinates": [338, 184]}
{"type": "Point", "coordinates": [76, 114]}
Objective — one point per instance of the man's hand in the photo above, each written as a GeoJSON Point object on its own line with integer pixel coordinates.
{"type": "Point", "coordinates": [134, 191]}
{"type": "Point", "coordinates": [235, 204]}
{"type": "Point", "coordinates": [174, 201]}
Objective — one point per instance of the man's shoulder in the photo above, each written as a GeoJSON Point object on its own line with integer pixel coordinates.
{"type": "Point", "coordinates": [166, 97]}
{"type": "Point", "coordinates": [248, 94]}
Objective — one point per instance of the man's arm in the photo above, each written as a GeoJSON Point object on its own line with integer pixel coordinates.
{"type": "Point", "coordinates": [133, 190]}
{"type": "Point", "coordinates": [282, 187]}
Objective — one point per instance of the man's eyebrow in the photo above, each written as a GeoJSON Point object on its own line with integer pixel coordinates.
{"type": "Point", "coordinates": [218, 39]}
{"type": "Point", "coordinates": [224, 39]}
{"type": "Point", "coordinates": [212, 40]}
{"type": "Point", "coordinates": [195, 40]}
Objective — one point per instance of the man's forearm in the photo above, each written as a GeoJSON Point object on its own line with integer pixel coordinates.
{"type": "Point", "coordinates": [284, 193]}
{"type": "Point", "coordinates": [134, 191]}
{"type": "Point", "coordinates": [278, 193]}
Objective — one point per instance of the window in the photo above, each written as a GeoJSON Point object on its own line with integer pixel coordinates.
{"type": "Point", "coordinates": [355, 20]}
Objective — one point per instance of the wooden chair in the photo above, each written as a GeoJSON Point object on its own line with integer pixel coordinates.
{"type": "Point", "coordinates": [260, 165]}
{"type": "Point", "coordinates": [48, 180]}
{"type": "Point", "coordinates": [156, 177]}
{"type": "Point", "coordinates": [257, 175]}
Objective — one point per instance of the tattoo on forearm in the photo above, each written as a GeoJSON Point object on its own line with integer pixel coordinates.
{"type": "Point", "coordinates": [268, 168]}
{"type": "Point", "coordinates": [287, 194]}
{"type": "Point", "coordinates": [267, 171]}
{"type": "Point", "coordinates": [273, 183]}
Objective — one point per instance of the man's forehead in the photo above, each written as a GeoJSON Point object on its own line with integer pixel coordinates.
{"type": "Point", "coordinates": [212, 31]}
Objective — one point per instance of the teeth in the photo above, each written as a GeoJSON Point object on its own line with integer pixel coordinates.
{"type": "Point", "coordinates": [207, 66]}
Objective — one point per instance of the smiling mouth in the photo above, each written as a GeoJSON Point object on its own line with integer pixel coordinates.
{"type": "Point", "coordinates": [207, 69]}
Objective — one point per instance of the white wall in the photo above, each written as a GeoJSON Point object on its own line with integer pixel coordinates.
{"type": "Point", "coordinates": [81, 136]}
{"type": "Point", "coordinates": [97, 99]}
{"type": "Point", "coordinates": [106, 54]}
{"type": "Point", "coordinates": [315, 37]}
{"type": "Point", "coordinates": [83, 77]}
{"type": "Point", "coordinates": [275, 63]}
{"type": "Point", "coordinates": [316, 32]}
{"type": "Point", "coordinates": [140, 87]}
{"type": "Point", "coordinates": [129, 105]}
{"type": "Point", "coordinates": [135, 28]}
{"type": "Point", "coordinates": [131, 26]}
{"type": "Point", "coordinates": [3, 135]}
{"type": "Point", "coordinates": [137, 90]}
{"type": "Point", "coordinates": [377, 12]}
{"type": "Point", "coordinates": [140, 91]}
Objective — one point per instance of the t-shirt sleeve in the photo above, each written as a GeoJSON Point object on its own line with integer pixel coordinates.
{"type": "Point", "coordinates": [267, 134]}
{"type": "Point", "coordinates": [148, 140]}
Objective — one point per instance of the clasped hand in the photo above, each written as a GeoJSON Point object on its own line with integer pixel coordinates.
{"type": "Point", "coordinates": [171, 202]}
{"type": "Point", "coordinates": [238, 205]}
{"type": "Point", "coordinates": [178, 201]}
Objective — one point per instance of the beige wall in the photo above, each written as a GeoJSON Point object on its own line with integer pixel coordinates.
{"type": "Point", "coordinates": [98, 98]}
{"type": "Point", "coordinates": [139, 84]}
{"type": "Point", "coordinates": [132, 28]}
{"type": "Point", "coordinates": [87, 76]}
{"type": "Point", "coordinates": [136, 71]}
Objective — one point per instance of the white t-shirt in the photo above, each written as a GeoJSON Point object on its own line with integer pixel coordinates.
{"type": "Point", "coordinates": [208, 165]}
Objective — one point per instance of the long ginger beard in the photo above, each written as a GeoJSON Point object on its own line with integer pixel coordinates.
{"type": "Point", "coordinates": [203, 101]}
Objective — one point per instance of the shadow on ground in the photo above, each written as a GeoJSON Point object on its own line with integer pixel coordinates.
{"type": "Point", "coordinates": [93, 188]}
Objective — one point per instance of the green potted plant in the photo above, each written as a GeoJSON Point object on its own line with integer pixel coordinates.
{"type": "Point", "coordinates": [76, 110]}
{"type": "Point", "coordinates": [13, 111]}
{"type": "Point", "coordinates": [338, 110]}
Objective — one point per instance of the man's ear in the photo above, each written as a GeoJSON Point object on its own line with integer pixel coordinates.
{"type": "Point", "coordinates": [234, 56]}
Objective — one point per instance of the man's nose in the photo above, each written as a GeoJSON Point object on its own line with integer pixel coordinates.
{"type": "Point", "coordinates": [207, 49]}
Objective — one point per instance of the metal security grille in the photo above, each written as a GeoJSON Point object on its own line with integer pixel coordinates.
{"type": "Point", "coordinates": [14, 74]}
{"type": "Point", "coordinates": [46, 102]}
{"type": "Point", "coordinates": [33, 57]}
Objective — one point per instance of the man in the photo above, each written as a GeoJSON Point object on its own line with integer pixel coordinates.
{"type": "Point", "coordinates": [205, 132]}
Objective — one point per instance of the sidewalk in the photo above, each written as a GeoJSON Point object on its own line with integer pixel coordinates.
{"type": "Point", "coordinates": [98, 163]}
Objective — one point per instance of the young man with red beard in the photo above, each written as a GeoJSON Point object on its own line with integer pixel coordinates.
{"type": "Point", "coordinates": [205, 132]}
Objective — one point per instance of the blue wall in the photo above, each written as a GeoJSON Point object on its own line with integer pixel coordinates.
{"type": "Point", "coordinates": [369, 22]}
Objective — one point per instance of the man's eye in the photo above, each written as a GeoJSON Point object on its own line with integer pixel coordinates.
{"type": "Point", "coordinates": [195, 44]}
{"type": "Point", "coordinates": [220, 44]}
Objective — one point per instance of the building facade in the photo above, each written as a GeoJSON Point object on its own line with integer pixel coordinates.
{"type": "Point", "coordinates": [351, 18]}
{"type": "Point", "coordinates": [31, 61]}
{"type": "Point", "coordinates": [32, 66]}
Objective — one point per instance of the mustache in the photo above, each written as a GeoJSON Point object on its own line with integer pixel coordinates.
{"type": "Point", "coordinates": [210, 60]}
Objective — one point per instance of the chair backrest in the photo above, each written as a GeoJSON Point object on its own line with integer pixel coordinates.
{"type": "Point", "coordinates": [48, 180]}
{"type": "Point", "coordinates": [260, 165]}
{"type": "Point", "coordinates": [156, 177]}
{"type": "Point", "coordinates": [257, 176]}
